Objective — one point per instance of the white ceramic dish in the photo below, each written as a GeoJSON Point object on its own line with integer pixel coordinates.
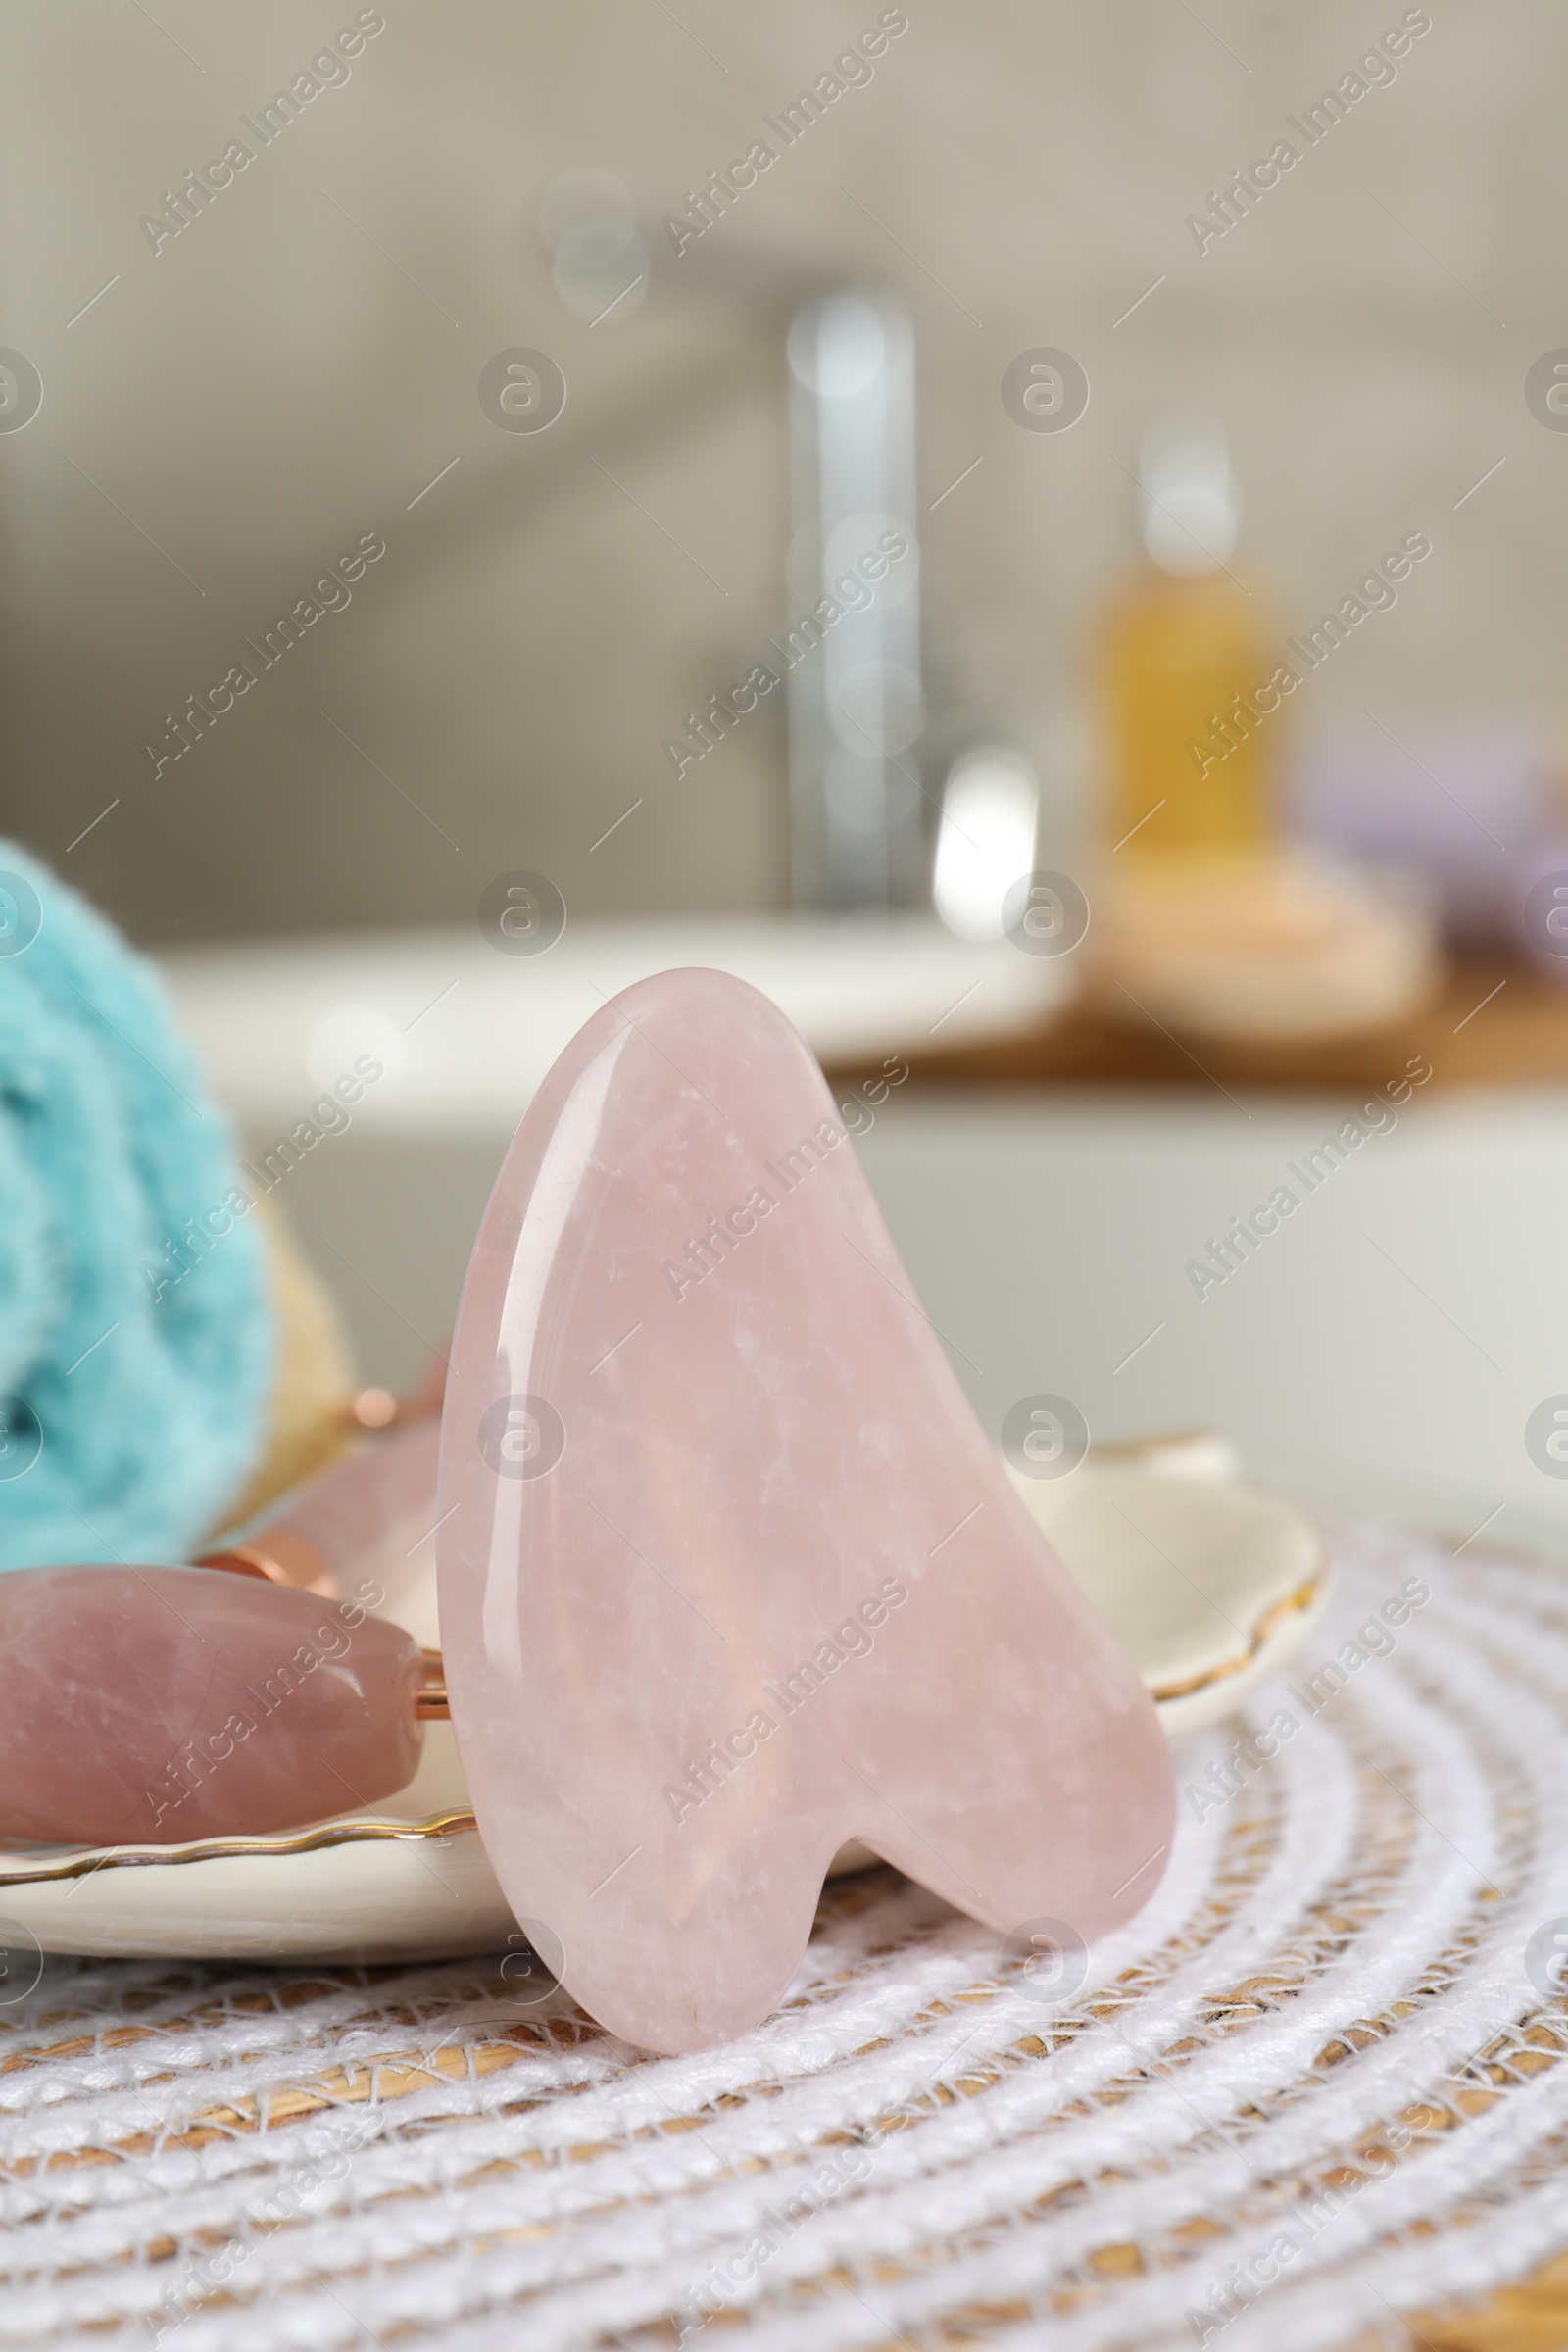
{"type": "Point", "coordinates": [1208, 1583]}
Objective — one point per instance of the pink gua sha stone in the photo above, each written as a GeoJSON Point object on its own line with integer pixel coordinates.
{"type": "Point", "coordinates": [731, 1574]}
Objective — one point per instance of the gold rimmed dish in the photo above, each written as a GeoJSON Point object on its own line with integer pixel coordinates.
{"type": "Point", "coordinates": [1208, 1585]}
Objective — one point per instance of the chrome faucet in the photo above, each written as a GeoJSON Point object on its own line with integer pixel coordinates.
{"type": "Point", "coordinates": [850, 635]}
{"type": "Point", "coordinates": [856, 705]}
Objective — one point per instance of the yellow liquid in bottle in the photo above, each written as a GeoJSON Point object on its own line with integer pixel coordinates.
{"type": "Point", "coordinates": [1176, 654]}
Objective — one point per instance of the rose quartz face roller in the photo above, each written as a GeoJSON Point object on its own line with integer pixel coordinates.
{"type": "Point", "coordinates": [729, 1575]}
{"type": "Point", "coordinates": [155, 1705]}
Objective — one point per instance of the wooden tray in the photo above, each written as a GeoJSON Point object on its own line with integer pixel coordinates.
{"type": "Point", "coordinates": [1492, 1023]}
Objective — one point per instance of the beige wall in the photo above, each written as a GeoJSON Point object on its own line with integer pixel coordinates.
{"type": "Point", "coordinates": [271, 385]}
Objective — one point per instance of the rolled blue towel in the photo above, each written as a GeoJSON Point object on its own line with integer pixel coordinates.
{"type": "Point", "coordinates": [136, 1332]}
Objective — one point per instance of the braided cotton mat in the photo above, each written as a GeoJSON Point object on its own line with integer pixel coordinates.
{"type": "Point", "coordinates": [1316, 2083]}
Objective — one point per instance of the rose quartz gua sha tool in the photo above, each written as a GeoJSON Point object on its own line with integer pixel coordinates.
{"type": "Point", "coordinates": [730, 1574]}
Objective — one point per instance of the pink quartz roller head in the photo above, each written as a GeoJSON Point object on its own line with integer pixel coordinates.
{"type": "Point", "coordinates": [730, 1573]}
{"type": "Point", "coordinates": [157, 1705]}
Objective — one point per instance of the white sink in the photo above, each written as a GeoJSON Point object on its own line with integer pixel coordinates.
{"type": "Point", "coordinates": [464, 1033]}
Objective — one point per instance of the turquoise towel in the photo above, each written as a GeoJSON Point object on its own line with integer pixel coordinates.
{"type": "Point", "coordinates": [136, 1335]}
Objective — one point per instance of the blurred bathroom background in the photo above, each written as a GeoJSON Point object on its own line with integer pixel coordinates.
{"type": "Point", "coordinates": [248, 381]}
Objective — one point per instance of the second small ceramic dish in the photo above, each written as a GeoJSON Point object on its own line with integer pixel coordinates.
{"type": "Point", "coordinates": [1207, 1583]}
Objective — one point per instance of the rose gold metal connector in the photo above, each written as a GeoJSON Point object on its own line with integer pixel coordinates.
{"type": "Point", "coordinates": [280, 1558]}
{"type": "Point", "coordinates": [430, 1700]}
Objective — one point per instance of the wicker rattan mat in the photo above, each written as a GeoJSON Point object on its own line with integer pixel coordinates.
{"type": "Point", "coordinates": [1316, 2084]}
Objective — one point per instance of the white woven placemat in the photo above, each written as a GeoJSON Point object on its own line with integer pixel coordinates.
{"type": "Point", "coordinates": [1315, 2084]}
